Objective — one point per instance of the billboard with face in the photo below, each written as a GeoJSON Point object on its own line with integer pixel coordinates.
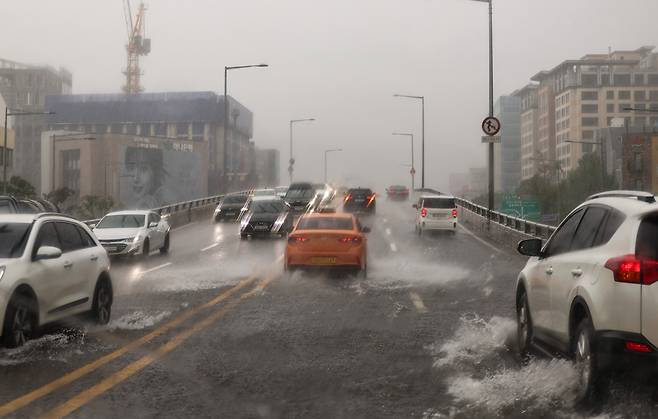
{"type": "Point", "coordinates": [152, 177]}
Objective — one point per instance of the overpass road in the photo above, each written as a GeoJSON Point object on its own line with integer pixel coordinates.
{"type": "Point", "coordinates": [215, 329]}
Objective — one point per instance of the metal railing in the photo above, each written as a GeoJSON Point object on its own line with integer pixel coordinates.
{"type": "Point", "coordinates": [532, 228]}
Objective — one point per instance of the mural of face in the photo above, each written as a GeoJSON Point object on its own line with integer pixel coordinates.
{"type": "Point", "coordinates": [143, 179]}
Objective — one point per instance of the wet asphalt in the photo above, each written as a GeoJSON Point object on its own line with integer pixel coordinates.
{"type": "Point", "coordinates": [215, 329]}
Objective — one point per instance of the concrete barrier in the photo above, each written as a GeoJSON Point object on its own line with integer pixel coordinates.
{"type": "Point", "coordinates": [491, 230]}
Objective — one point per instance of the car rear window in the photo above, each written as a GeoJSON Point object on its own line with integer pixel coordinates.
{"type": "Point", "coordinates": [647, 238]}
{"type": "Point", "coordinates": [360, 192]}
{"type": "Point", "coordinates": [439, 203]}
{"type": "Point", "coordinates": [13, 237]}
{"type": "Point", "coordinates": [325, 223]}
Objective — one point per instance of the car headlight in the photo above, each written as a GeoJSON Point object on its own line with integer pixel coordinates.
{"type": "Point", "coordinates": [138, 238]}
{"type": "Point", "coordinates": [2, 272]}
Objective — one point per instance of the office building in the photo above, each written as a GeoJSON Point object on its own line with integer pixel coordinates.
{"type": "Point", "coordinates": [507, 153]}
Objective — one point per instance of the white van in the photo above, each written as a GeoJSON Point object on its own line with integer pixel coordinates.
{"type": "Point", "coordinates": [436, 212]}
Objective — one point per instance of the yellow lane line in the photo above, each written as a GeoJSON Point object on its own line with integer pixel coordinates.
{"type": "Point", "coordinates": [36, 394]}
{"type": "Point", "coordinates": [108, 383]}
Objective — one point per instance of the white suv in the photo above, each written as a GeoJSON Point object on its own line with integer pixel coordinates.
{"type": "Point", "coordinates": [133, 232]}
{"type": "Point", "coordinates": [436, 212]}
{"type": "Point", "coordinates": [590, 292]}
{"type": "Point", "coordinates": [51, 267]}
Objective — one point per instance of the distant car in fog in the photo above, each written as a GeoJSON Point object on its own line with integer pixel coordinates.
{"type": "Point", "coordinates": [230, 207]}
{"type": "Point", "coordinates": [360, 201]}
{"type": "Point", "coordinates": [281, 191]}
{"type": "Point", "coordinates": [127, 233]}
{"type": "Point", "coordinates": [327, 241]}
{"type": "Point", "coordinates": [51, 268]}
{"type": "Point", "coordinates": [299, 195]}
{"type": "Point", "coordinates": [264, 192]}
{"type": "Point", "coordinates": [436, 212]}
{"type": "Point", "coordinates": [266, 216]}
{"type": "Point", "coordinates": [397, 193]}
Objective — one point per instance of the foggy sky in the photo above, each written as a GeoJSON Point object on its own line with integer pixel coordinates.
{"type": "Point", "coordinates": [339, 61]}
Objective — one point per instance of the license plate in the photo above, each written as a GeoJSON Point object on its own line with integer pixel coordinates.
{"type": "Point", "coordinates": [438, 216]}
{"type": "Point", "coordinates": [359, 200]}
{"type": "Point", "coordinates": [230, 213]}
{"type": "Point", "coordinates": [323, 261]}
{"type": "Point", "coordinates": [111, 248]}
{"type": "Point", "coordinates": [260, 228]}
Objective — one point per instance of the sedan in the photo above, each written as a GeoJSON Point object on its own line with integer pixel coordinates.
{"type": "Point", "coordinates": [266, 216]}
{"type": "Point", "coordinates": [127, 233]}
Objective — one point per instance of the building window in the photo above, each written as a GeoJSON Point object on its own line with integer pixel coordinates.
{"type": "Point", "coordinates": [640, 120]}
{"type": "Point", "coordinates": [182, 130]}
{"type": "Point", "coordinates": [589, 95]}
{"type": "Point", "coordinates": [640, 106]}
{"type": "Point", "coordinates": [624, 105]}
{"type": "Point", "coordinates": [610, 107]}
{"type": "Point", "coordinates": [624, 94]}
{"type": "Point", "coordinates": [622, 79]}
{"type": "Point", "coordinates": [638, 79]}
{"type": "Point", "coordinates": [653, 121]}
{"type": "Point", "coordinates": [588, 135]}
{"type": "Point", "coordinates": [160, 130]}
{"type": "Point", "coordinates": [71, 169]}
{"type": "Point", "coordinates": [131, 129]}
{"type": "Point", "coordinates": [198, 131]}
{"type": "Point", "coordinates": [589, 80]}
{"type": "Point", "coordinates": [145, 130]}
{"type": "Point", "coordinates": [116, 129]}
{"type": "Point", "coordinates": [590, 122]}
{"type": "Point", "coordinates": [653, 79]}
{"type": "Point", "coordinates": [637, 161]}
{"type": "Point", "coordinates": [587, 148]}
{"type": "Point", "coordinates": [610, 94]}
{"type": "Point", "coordinates": [587, 108]}
{"type": "Point", "coordinates": [653, 95]}
{"type": "Point", "coordinates": [639, 96]}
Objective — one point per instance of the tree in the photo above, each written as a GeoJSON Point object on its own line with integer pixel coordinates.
{"type": "Point", "coordinates": [92, 207]}
{"type": "Point", "coordinates": [19, 188]}
{"type": "Point", "coordinates": [59, 196]}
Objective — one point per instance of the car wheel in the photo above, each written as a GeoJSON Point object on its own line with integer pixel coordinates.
{"type": "Point", "coordinates": [586, 363]}
{"type": "Point", "coordinates": [523, 326]}
{"type": "Point", "coordinates": [20, 321]}
{"type": "Point", "coordinates": [364, 272]}
{"type": "Point", "coordinates": [146, 249]}
{"type": "Point", "coordinates": [165, 247]}
{"type": "Point", "coordinates": [101, 309]}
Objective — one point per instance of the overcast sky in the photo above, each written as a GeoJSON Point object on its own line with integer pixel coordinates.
{"type": "Point", "coordinates": [339, 61]}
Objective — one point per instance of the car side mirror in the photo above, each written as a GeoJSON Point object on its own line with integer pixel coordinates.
{"type": "Point", "coordinates": [92, 226]}
{"type": "Point", "coordinates": [365, 230]}
{"type": "Point", "coordinates": [153, 224]}
{"type": "Point", "coordinates": [48, 252]}
{"type": "Point", "coordinates": [530, 247]}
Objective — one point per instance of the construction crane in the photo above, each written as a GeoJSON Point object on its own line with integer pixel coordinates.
{"type": "Point", "coordinates": [137, 45]}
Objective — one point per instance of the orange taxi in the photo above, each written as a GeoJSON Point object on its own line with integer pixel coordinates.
{"type": "Point", "coordinates": [329, 241]}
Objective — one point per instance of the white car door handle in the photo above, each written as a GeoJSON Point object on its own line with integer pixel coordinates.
{"type": "Point", "coordinates": [94, 257]}
{"type": "Point", "coordinates": [549, 271]}
{"type": "Point", "coordinates": [576, 272]}
{"type": "Point", "coordinates": [68, 265]}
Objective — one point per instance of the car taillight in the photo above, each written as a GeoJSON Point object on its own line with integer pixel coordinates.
{"type": "Point", "coordinates": [454, 213]}
{"type": "Point", "coordinates": [371, 198]}
{"type": "Point", "coordinates": [350, 239]}
{"type": "Point", "coordinates": [297, 239]}
{"type": "Point", "coordinates": [348, 197]}
{"type": "Point", "coordinates": [633, 270]}
{"type": "Point", "coordinates": [638, 347]}
{"type": "Point", "coordinates": [423, 212]}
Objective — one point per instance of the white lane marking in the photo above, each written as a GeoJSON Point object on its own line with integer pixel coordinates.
{"type": "Point", "coordinates": [388, 231]}
{"type": "Point", "coordinates": [184, 226]}
{"type": "Point", "coordinates": [164, 265]}
{"type": "Point", "coordinates": [394, 247]}
{"type": "Point", "coordinates": [484, 242]}
{"type": "Point", "coordinates": [210, 247]}
{"type": "Point", "coordinates": [418, 302]}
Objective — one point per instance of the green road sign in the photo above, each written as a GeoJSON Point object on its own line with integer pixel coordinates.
{"type": "Point", "coordinates": [527, 209]}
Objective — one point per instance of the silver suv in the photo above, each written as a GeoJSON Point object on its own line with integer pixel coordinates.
{"type": "Point", "coordinates": [51, 267]}
{"type": "Point", "coordinates": [590, 291]}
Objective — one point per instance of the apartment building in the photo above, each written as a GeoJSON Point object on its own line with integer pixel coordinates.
{"type": "Point", "coordinates": [530, 153]}
{"type": "Point", "coordinates": [507, 154]}
{"type": "Point", "coordinates": [588, 94]}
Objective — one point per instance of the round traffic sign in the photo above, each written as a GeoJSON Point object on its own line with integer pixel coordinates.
{"type": "Point", "coordinates": [412, 171]}
{"type": "Point", "coordinates": [491, 125]}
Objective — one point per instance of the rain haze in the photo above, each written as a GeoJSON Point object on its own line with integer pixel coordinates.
{"type": "Point", "coordinates": [340, 62]}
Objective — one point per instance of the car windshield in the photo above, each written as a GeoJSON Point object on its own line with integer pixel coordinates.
{"type": "Point", "coordinates": [267, 207]}
{"type": "Point", "coordinates": [300, 193]}
{"type": "Point", "coordinates": [325, 223]}
{"type": "Point", "coordinates": [13, 237]}
{"type": "Point", "coordinates": [360, 193]}
{"type": "Point", "coordinates": [122, 221]}
{"type": "Point", "coordinates": [439, 203]}
{"type": "Point", "coordinates": [264, 192]}
{"type": "Point", "coordinates": [235, 199]}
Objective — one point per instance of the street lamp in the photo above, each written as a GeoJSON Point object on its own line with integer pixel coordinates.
{"type": "Point", "coordinates": [422, 141]}
{"type": "Point", "coordinates": [413, 169]}
{"type": "Point", "coordinates": [325, 160]}
{"type": "Point", "coordinates": [226, 112]}
{"type": "Point", "coordinates": [8, 113]}
{"type": "Point", "coordinates": [491, 103]}
{"type": "Point", "coordinates": [292, 159]}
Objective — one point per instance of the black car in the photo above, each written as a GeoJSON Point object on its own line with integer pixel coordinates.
{"type": "Point", "coordinates": [299, 196]}
{"type": "Point", "coordinates": [266, 216]}
{"type": "Point", "coordinates": [360, 201]}
{"type": "Point", "coordinates": [230, 207]}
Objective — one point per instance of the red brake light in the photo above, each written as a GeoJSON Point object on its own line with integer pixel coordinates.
{"type": "Point", "coordinates": [348, 197]}
{"type": "Point", "coordinates": [454, 213]}
{"type": "Point", "coordinates": [297, 239]}
{"type": "Point", "coordinates": [371, 198]}
{"type": "Point", "coordinates": [350, 239]}
{"type": "Point", "coordinates": [634, 270]}
{"type": "Point", "coordinates": [638, 347]}
{"type": "Point", "coordinates": [423, 212]}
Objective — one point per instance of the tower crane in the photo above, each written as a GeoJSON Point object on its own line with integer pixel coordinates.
{"type": "Point", "coordinates": [137, 46]}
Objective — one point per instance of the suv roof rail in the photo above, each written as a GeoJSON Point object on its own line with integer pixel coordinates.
{"type": "Point", "coordinates": [639, 195]}
{"type": "Point", "coordinates": [54, 214]}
